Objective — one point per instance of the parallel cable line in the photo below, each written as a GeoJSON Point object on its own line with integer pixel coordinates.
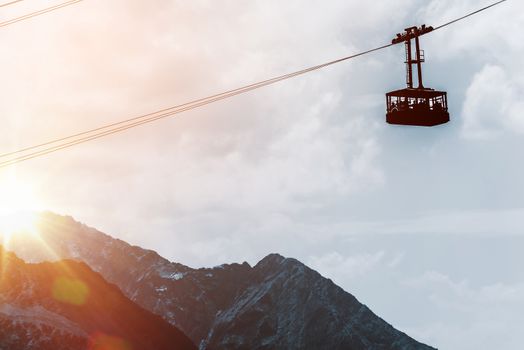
{"type": "Point", "coordinates": [109, 129]}
{"type": "Point", "coordinates": [220, 96]}
{"type": "Point", "coordinates": [38, 13]}
{"type": "Point", "coordinates": [10, 3]}
{"type": "Point", "coordinates": [170, 111]}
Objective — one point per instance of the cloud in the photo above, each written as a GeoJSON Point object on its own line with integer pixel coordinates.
{"type": "Point", "coordinates": [494, 104]}
{"type": "Point", "coordinates": [485, 316]}
{"type": "Point", "coordinates": [284, 151]}
{"type": "Point", "coordinates": [307, 156]}
{"type": "Point", "coordinates": [481, 222]}
{"type": "Point", "coordinates": [396, 260]}
{"type": "Point", "coordinates": [306, 167]}
{"type": "Point", "coordinates": [345, 268]}
{"type": "Point", "coordinates": [452, 294]}
{"type": "Point", "coordinates": [485, 52]}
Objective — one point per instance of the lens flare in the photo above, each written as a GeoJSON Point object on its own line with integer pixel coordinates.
{"type": "Point", "coordinates": [101, 341]}
{"type": "Point", "coordinates": [70, 291]}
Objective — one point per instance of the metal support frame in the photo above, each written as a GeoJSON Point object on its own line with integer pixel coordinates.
{"type": "Point", "coordinates": [406, 37]}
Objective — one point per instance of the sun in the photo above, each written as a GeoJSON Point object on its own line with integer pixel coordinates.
{"type": "Point", "coordinates": [17, 222]}
{"type": "Point", "coordinates": [18, 207]}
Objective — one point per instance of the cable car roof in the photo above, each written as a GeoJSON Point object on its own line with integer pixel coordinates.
{"type": "Point", "coordinates": [416, 93]}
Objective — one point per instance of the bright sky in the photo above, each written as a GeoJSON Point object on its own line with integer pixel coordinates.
{"type": "Point", "coordinates": [422, 225]}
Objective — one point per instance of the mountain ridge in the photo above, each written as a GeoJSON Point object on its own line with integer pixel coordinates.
{"type": "Point", "coordinates": [278, 303]}
{"type": "Point", "coordinates": [69, 299]}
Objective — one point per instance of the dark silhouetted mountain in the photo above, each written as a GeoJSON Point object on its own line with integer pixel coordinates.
{"type": "Point", "coordinates": [277, 304]}
{"type": "Point", "coordinates": [66, 305]}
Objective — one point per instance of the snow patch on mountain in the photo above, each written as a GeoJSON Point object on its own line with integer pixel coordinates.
{"type": "Point", "coordinates": [173, 276]}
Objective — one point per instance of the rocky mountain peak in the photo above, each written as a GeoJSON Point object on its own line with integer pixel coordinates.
{"type": "Point", "coordinates": [279, 303]}
{"type": "Point", "coordinates": [66, 305]}
{"type": "Point", "coordinates": [271, 260]}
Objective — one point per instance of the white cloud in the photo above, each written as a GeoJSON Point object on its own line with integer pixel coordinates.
{"type": "Point", "coordinates": [396, 260]}
{"type": "Point", "coordinates": [486, 316]}
{"type": "Point", "coordinates": [494, 104]}
{"type": "Point", "coordinates": [482, 222]}
{"type": "Point", "coordinates": [451, 294]}
{"type": "Point", "coordinates": [345, 268]}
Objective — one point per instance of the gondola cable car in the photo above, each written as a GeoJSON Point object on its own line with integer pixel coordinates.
{"type": "Point", "coordinates": [418, 106]}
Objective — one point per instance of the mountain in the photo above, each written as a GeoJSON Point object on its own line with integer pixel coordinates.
{"type": "Point", "coordinates": [277, 304]}
{"type": "Point", "coordinates": [66, 305]}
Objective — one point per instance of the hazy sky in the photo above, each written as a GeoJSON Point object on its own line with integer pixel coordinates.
{"type": "Point", "coordinates": [424, 225]}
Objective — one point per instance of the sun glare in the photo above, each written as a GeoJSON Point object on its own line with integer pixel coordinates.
{"type": "Point", "coordinates": [18, 208]}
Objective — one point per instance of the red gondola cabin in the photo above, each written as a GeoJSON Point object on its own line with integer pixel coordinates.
{"type": "Point", "coordinates": [415, 106]}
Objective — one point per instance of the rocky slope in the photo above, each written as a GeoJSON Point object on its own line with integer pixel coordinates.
{"type": "Point", "coordinates": [66, 305]}
{"type": "Point", "coordinates": [277, 304]}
